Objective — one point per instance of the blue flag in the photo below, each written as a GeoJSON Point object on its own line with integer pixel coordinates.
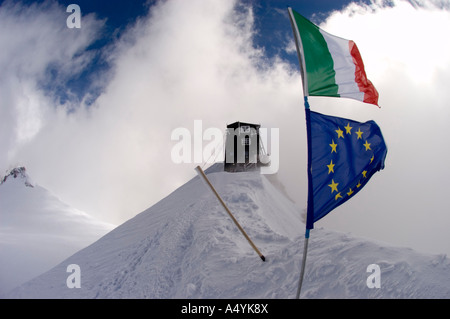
{"type": "Point", "coordinates": [344, 156]}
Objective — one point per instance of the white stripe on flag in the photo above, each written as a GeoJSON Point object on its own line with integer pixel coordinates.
{"type": "Point", "coordinates": [343, 66]}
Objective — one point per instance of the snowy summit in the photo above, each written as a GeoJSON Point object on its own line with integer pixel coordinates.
{"type": "Point", "coordinates": [37, 230]}
{"type": "Point", "coordinates": [186, 246]}
{"type": "Point", "coordinates": [18, 172]}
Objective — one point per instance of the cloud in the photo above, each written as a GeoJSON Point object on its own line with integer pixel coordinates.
{"type": "Point", "coordinates": [183, 62]}
{"type": "Point", "coordinates": [35, 42]}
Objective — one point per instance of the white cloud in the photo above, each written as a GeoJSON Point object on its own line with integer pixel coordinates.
{"type": "Point", "coordinates": [187, 61]}
{"type": "Point", "coordinates": [35, 40]}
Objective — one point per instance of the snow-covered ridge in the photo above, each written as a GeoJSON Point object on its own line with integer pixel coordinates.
{"type": "Point", "coordinates": [186, 246]}
{"type": "Point", "coordinates": [37, 230]}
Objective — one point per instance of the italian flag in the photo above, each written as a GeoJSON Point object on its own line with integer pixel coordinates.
{"type": "Point", "coordinates": [331, 66]}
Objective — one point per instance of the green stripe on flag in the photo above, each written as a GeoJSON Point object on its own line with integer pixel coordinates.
{"type": "Point", "coordinates": [318, 60]}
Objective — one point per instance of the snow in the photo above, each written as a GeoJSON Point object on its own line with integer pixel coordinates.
{"type": "Point", "coordinates": [37, 230]}
{"type": "Point", "coordinates": [186, 246]}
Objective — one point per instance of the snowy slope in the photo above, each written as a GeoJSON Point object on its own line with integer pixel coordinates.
{"type": "Point", "coordinates": [37, 230]}
{"type": "Point", "coordinates": [186, 246]}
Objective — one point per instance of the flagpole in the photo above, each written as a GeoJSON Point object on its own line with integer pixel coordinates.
{"type": "Point", "coordinates": [310, 203]}
{"type": "Point", "coordinates": [300, 55]}
{"type": "Point", "coordinates": [302, 272]}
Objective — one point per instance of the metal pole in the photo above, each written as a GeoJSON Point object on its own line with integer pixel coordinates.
{"type": "Point", "coordinates": [301, 56]}
{"type": "Point", "coordinates": [310, 210]}
{"type": "Point", "coordinates": [302, 273]}
{"type": "Point", "coordinates": [203, 176]}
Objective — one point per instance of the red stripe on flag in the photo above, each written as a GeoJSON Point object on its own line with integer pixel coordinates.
{"type": "Point", "coordinates": [364, 84]}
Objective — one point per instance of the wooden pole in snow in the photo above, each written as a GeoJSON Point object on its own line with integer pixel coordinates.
{"type": "Point", "coordinates": [203, 176]}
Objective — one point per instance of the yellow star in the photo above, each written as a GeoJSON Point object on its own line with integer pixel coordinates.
{"type": "Point", "coordinates": [364, 173]}
{"type": "Point", "coordinates": [348, 128]}
{"type": "Point", "coordinates": [338, 195]}
{"type": "Point", "coordinates": [367, 146]}
{"type": "Point", "coordinates": [359, 133]}
{"type": "Point", "coordinates": [333, 146]}
{"type": "Point", "coordinates": [373, 157]}
{"type": "Point", "coordinates": [359, 185]}
{"type": "Point", "coordinates": [331, 167]}
{"type": "Point", "coordinates": [333, 186]}
{"type": "Point", "coordinates": [340, 133]}
{"type": "Point", "coordinates": [350, 192]}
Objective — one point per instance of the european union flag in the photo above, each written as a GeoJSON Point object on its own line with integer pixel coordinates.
{"type": "Point", "coordinates": [344, 156]}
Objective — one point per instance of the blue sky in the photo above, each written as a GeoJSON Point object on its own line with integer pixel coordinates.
{"type": "Point", "coordinates": [90, 111]}
{"type": "Point", "coordinates": [271, 23]}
